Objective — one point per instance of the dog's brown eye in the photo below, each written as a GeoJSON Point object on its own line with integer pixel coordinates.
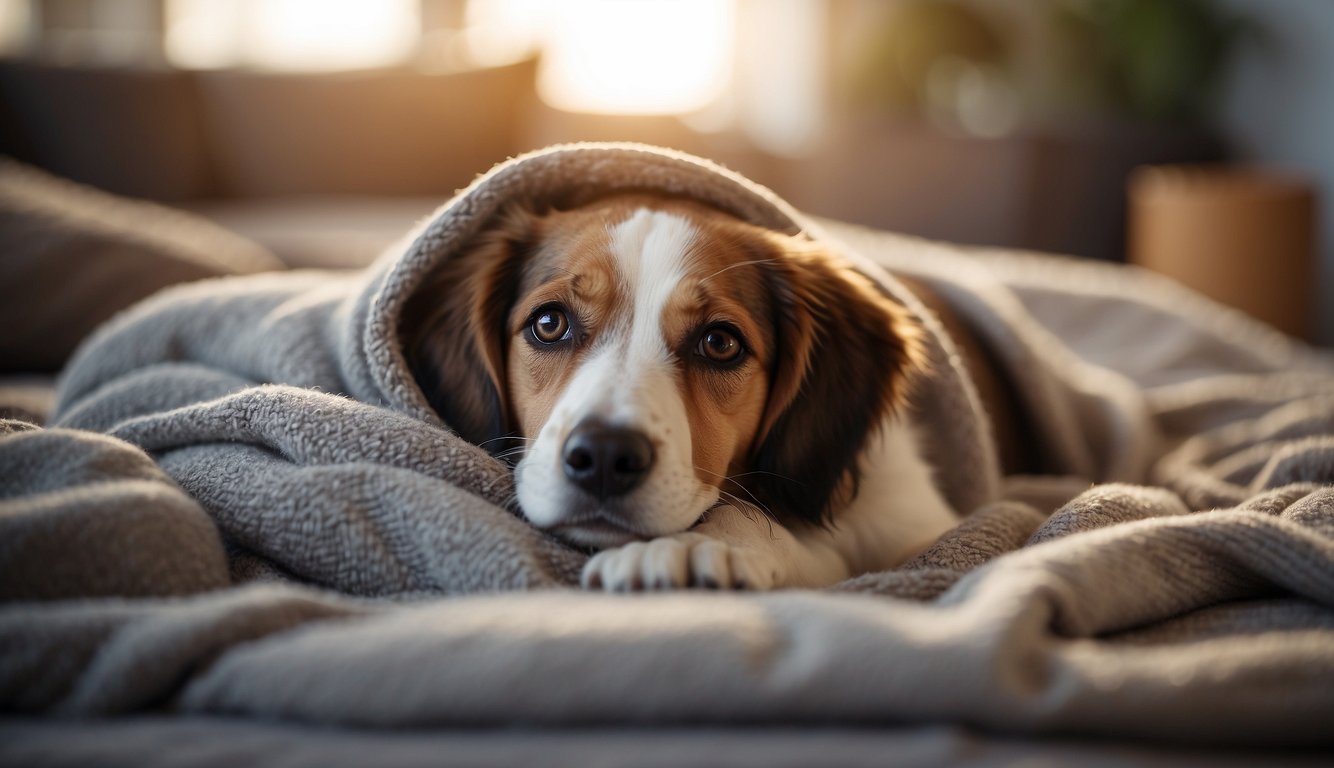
{"type": "Point", "coordinates": [720, 345]}
{"type": "Point", "coordinates": [550, 326]}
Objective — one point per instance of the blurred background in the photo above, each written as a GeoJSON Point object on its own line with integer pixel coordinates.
{"type": "Point", "coordinates": [1192, 136]}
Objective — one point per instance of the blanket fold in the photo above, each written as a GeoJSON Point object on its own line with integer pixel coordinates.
{"type": "Point", "coordinates": [68, 495]}
{"type": "Point", "coordinates": [1022, 636]}
{"type": "Point", "coordinates": [243, 505]}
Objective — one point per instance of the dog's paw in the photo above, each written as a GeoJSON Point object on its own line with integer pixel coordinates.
{"type": "Point", "coordinates": [683, 560]}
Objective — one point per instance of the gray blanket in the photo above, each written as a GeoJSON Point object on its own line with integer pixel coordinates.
{"type": "Point", "coordinates": [243, 505]}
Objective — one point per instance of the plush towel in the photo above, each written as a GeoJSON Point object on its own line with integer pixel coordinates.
{"type": "Point", "coordinates": [260, 447]}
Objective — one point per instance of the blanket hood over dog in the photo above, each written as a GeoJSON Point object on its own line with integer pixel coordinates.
{"type": "Point", "coordinates": [176, 375]}
{"type": "Point", "coordinates": [567, 177]}
{"type": "Point", "coordinates": [345, 338]}
{"type": "Point", "coordinates": [241, 485]}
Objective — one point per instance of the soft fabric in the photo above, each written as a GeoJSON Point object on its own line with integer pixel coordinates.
{"type": "Point", "coordinates": [73, 256]}
{"type": "Point", "coordinates": [98, 518]}
{"type": "Point", "coordinates": [1183, 588]}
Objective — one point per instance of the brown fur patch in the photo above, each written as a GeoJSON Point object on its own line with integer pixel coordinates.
{"type": "Point", "coordinates": [724, 286]}
{"type": "Point", "coordinates": [453, 330]}
{"type": "Point", "coordinates": [573, 267]}
{"type": "Point", "coordinates": [847, 351]}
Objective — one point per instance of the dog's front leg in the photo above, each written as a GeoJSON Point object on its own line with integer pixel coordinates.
{"type": "Point", "coordinates": [729, 548]}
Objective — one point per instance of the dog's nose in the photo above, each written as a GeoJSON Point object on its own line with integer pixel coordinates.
{"type": "Point", "coordinates": [607, 461]}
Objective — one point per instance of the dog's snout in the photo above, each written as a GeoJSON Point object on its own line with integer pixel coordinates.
{"type": "Point", "coordinates": [605, 460]}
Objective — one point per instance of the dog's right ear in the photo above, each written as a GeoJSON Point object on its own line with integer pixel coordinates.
{"type": "Point", "coordinates": [454, 334]}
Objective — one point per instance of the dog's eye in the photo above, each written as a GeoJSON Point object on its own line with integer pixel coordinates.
{"type": "Point", "coordinates": [550, 325]}
{"type": "Point", "coordinates": [720, 345]}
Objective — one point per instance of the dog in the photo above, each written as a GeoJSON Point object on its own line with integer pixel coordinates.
{"type": "Point", "coordinates": [701, 401]}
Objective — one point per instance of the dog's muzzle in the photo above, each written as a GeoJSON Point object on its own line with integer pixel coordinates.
{"type": "Point", "coordinates": [606, 461]}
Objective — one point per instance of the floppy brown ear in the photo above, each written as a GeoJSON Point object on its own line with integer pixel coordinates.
{"type": "Point", "coordinates": [843, 355]}
{"type": "Point", "coordinates": [454, 330]}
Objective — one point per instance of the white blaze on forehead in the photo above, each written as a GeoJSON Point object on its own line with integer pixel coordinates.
{"type": "Point", "coordinates": [650, 249]}
{"type": "Point", "coordinates": [629, 379]}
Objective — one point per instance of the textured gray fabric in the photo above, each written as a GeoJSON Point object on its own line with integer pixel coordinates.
{"type": "Point", "coordinates": [1177, 584]}
{"type": "Point", "coordinates": [85, 515]}
{"type": "Point", "coordinates": [1026, 643]}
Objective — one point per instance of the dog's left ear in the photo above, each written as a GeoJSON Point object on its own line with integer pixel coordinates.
{"type": "Point", "coordinates": [454, 330]}
{"type": "Point", "coordinates": [844, 352]}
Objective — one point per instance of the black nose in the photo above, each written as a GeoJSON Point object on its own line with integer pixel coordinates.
{"type": "Point", "coordinates": [607, 461]}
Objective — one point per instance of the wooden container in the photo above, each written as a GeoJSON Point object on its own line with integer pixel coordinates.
{"type": "Point", "coordinates": [1241, 236]}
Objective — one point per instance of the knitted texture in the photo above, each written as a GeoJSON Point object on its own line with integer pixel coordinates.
{"type": "Point", "coordinates": [247, 466]}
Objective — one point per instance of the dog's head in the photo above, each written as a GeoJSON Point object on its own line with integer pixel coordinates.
{"type": "Point", "coordinates": [653, 356]}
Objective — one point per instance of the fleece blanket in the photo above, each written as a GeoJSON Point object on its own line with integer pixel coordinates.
{"type": "Point", "coordinates": [243, 505]}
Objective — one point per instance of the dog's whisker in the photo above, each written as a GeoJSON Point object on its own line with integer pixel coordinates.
{"type": "Point", "coordinates": [510, 502]}
{"type": "Point", "coordinates": [750, 510]}
{"type": "Point", "coordinates": [738, 264]}
{"type": "Point", "coordinates": [754, 502]}
{"type": "Point", "coordinates": [512, 452]}
{"type": "Point", "coordinates": [770, 474]}
{"type": "Point", "coordinates": [739, 502]}
{"type": "Point", "coordinates": [515, 438]}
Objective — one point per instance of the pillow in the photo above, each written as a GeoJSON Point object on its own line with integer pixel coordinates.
{"type": "Point", "coordinates": [73, 256]}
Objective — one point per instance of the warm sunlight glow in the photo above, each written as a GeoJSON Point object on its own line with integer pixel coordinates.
{"type": "Point", "coordinates": [613, 56]}
{"type": "Point", "coordinates": [15, 20]}
{"type": "Point", "coordinates": [505, 31]}
{"type": "Point", "coordinates": [641, 57]}
{"type": "Point", "coordinates": [598, 56]}
{"type": "Point", "coordinates": [294, 35]}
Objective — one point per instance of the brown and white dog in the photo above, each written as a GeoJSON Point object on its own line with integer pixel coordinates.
{"type": "Point", "coordinates": [707, 402]}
